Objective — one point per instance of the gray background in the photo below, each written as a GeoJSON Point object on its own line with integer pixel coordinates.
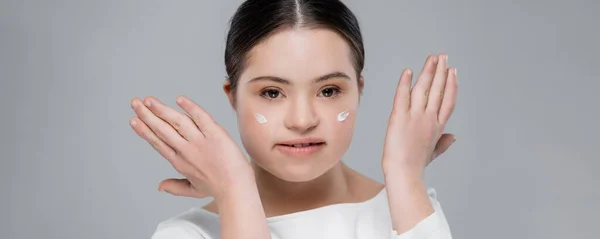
{"type": "Point", "coordinates": [523, 166]}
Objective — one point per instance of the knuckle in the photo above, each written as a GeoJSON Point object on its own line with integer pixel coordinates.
{"type": "Point", "coordinates": [155, 143]}
{"type": "Point", "coordinates": [159, 135]}
{"type": "Point", "coordinates": [397, 114]}
{"type": "Point", "coordinates": [418, 91]}
{"type": "Point", "coordinates": [177, 123]}
{"type": "Point", "coordinates": [196, 118]}
{"type": "Point", "coordinates": [431, 114]}
{"type": "Point", "coordinates": [417, 112]}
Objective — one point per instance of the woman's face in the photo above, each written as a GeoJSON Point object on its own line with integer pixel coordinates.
{"type": "Point", "coordinates": [300, 81]}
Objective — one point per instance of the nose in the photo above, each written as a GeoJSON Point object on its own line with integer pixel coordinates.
{"type": "Point", "coordinates": [301, 117]}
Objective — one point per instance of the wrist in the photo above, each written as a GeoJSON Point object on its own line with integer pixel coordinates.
{"type": "Point", "coordinates": [402, 169]}
{"type": "Point", "coordinates": [408, 199]}
{"type": "Point", "coordinates": [241, 211]}
{"type": "Point", "coordinates": [240, 187]}
{"type": "Point", "coordinates": [406, 181]}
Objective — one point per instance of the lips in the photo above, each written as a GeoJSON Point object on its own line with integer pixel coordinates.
{"type": "Point", "coordinates": [301, 147]}
{"type": "Point", "coordinates": [303, 142]}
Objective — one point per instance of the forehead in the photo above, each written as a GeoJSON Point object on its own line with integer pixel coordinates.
{"type": "Point", "coordinates": [299, 55]}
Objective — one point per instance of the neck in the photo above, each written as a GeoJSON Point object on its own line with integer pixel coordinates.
{"type": "Point", "coordinates": [282, 197]}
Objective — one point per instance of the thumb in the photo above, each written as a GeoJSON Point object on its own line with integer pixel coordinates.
{"type": "Point", "coordinates": [445, 141]}
{"type": "Point", "coordinates": [177, 187]}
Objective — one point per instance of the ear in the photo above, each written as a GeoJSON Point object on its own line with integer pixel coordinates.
{"type": "Point", "coordinates": [361, 85]}
{"type": "Point", "coordinates": [229, 93]}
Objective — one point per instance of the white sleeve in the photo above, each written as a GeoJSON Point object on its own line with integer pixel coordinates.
{"type": "Point", "coordinates": [434, 226]}
{"type": "Point", "coordinates": [176, 230]}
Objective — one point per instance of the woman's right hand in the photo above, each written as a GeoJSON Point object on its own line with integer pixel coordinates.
{"type": "Point", "coordinates": [211, 161]}
{"type": "Point", "coordinates": [197, 147]}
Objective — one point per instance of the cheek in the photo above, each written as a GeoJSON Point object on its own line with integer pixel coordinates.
{"type": "Point", "coordinates": [256, 137]}
{"type": "Point", "coordinates": [252, 122]}
{"type": "Point", "coordinates": [256, 118]}
{"type": "Point", "coordinates": [340, 133]}
{"type": "Point", "coordinates": [345, 128]}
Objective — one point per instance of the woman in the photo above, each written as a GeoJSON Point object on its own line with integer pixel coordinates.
{"type": "Point", "coordinates": [294, 80]}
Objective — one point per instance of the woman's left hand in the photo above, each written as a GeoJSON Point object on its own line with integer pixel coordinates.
{"type": "Point", "coordinates": [414, 138]}
{"type": "Point", "coordinates": [414, 135]}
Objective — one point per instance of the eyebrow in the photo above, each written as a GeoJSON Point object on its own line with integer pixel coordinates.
{"type": "Point", "coordinates": [332, 75]}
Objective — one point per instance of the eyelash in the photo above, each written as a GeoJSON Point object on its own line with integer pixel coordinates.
{"type": "Point", "coordinates": [336, 93]}
{"type": "Point", "coordinates": [264, 93]}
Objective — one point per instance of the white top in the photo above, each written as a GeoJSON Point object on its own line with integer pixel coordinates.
{"type": "Point", "coordinates": [365, 220]}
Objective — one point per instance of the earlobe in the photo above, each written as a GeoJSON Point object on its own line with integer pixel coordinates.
{"type": "Point", "coordinates": [229, 93]}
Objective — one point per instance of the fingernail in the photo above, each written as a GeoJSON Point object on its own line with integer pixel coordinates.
{"type": "Point", "coordinates": [179, 99]}
{"type": "Point", "coordinates": [132, 122]}
{"type": "Point", "coordinates": [134, 104]}
{"type": "Point", "coordinates": [455, 72]}
{"type": "Point", "coordinates": [148, 103]}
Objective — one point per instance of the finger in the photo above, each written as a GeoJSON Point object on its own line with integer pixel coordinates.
{"type": "Point", "coordinates": [161, 129]}
{"type": "Point", "coordinates": [420, 93]}
{"type": "Point", "coordinates": [145, 133]}
{"type": "Point", "coordinates": [179, 121]}
{"type": "Point", "coordinates": [442, 145]}
{"type": "Point", "coordinates": [402, 97]}
{"type": "Point", "coordinates": [438, 85]}
{"type": "Point", "coordinates": [163, 148]}
{"type": "Point", "coordinates": [179, 187]}
{"type": "Point", "coordinates": [449, 100]}
{"type": "Point", "coordinates": [201, 118]}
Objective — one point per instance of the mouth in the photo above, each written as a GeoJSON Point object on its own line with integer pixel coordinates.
{"type": "Point", "coordinates": [302, 147]}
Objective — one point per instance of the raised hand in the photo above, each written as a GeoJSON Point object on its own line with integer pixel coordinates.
{"type": "Point", "coordinates": [414, 135]}
{"type": "Point", "coordinates": [414, 138]}
{"type": "Point", "coordinates": [195, 145]}
{"type": "Point", "coordinates": [213, 165]}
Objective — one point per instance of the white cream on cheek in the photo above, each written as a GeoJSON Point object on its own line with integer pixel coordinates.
{"type": "Point", "coordinates": [342, 116]}
{"type": "Point", "coordinates": [260, 118]}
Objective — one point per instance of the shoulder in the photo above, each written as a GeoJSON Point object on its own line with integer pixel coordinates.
{"type": "Point", "coordinates": [194, 223]}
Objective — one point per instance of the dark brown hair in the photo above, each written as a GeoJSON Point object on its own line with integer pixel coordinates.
{"type": "Point", "coordinates": [255, 20]}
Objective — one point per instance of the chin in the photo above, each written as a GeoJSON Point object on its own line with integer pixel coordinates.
{"type": "Point", "coordinates": [290, 171]}
{"type": "Point", "coordinates": [297, 175]}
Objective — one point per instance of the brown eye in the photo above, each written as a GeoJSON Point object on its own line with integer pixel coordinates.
{"type": "Point", "coordinates": [329, 92]}
{"type": "Point", "coordinates": [271, 93]}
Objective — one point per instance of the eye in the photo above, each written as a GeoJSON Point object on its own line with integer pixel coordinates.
{"type": "Point", "coordinates": [271, 94]}
{"type": "Point", "coordinates": [329, 92]}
